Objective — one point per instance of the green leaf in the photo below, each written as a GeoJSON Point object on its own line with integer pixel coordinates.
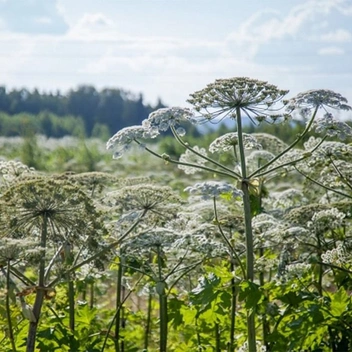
{"type": "Point", "coordinates": [339, 302]}
{"type": "Point", "coordinates": [250, 293]}
{"type": "Point", "coordinates": [206, 291]}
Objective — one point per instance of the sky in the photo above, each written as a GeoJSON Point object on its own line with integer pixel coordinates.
{"type": "Point", "coordinates": [170, 48]}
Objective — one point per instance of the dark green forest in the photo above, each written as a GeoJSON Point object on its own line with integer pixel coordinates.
{"type": "Point", "coordinates": [82, 111]}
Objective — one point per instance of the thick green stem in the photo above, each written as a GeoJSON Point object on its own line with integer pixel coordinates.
{"type": "Point", "coordinates": [265, 323]}
{"type": "Point", "coordinates": [8, 309]}
{"type": "Point", "coordinates": [217, 338]}
{"type": "Point", "coordinates": [233, 310]}
{"type": "Point", "coordinates": [118, 312]}
{"type": "Point", "coordinates": [163, 318]}
{"type": "Point", "coordinates": [38, 303]}
{"type": "Point", "coordinates": [91, 294]}
{"type": "Point", "coordinates": [148, 322]}
{"type": "Point", "coordinates": [118, 305]}
{"type": "Point", "coordinates": [71, 289]}
{"type": "Point", "coordinates": [251, 338]}
{"type": "Point", "coordinates": [71, 304]}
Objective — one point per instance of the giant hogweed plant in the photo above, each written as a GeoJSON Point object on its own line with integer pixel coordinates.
{"type": "Point", "coordinates": [250, 175]}
{"type": "Point", "coordinates": [51, 232]}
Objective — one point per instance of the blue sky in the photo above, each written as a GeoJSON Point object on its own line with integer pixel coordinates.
{"type": "Point", "coordinates": [170, 48]}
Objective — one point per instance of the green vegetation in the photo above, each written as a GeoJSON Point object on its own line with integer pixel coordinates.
{"type": "Point", "coordinates": [238, 240]}
{"type": "Point", "coordinates": [82, 111]}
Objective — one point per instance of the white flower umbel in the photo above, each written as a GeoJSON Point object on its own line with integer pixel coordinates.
{"type": "Point", "coordinates": [296, 270]}
{"type": "Point", "coordinates": [288, 198]}
{"type": "Point", "coordinates": [324, 220]}
{"type": "Point", "coordinates": [121, 141]}
{"type": "Point", "coordinates": [335, 256]}
{"type": "Point", "coordinates": [258, 158]}
{"type": "Point", "coordinates": [161, 120]}
{"type": "Point", "coordinates": [270, 143]}
{"type": "Point", "coordinates": [192, 158]}
{"type": "Point", "coordinates": [213, 189]}
{"type": "Point", "coordinates": [229, 141]}
{"type": "Point", "coordinates": [315, 99]}
{"type": "Point", "coordinates": [256, 99]}
{"type": "Point", "coordinates": [311, 143]}
{"type": "Point", "coordinates": [332, 127]}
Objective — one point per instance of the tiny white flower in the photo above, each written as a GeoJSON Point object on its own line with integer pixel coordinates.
{"type": "Point", "coordinates": [211, 189]}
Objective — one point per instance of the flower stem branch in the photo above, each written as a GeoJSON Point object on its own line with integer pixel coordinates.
{"type": "Point", "coordinates": [179, 139]}
{"type": "Point", "coordinates": [291, 146]}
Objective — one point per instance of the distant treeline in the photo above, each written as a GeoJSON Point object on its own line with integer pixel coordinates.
{"type": "Point", "coordinates": [84, 110]}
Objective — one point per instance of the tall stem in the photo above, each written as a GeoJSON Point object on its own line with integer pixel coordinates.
{"type": "Point", "coordinates": [38, 303]}
{"type": "Point", "coordinates": [248, 230]}
{"type": "Point", "coordinates": [148, 322]}
{"type": "Point", "coordinates": [8, 309]}
{"type": "Point", "coordinates": [233, 309]}
{"type": "Point", "coordinates": [118, 305]}
{"type": "Point", "coordinates": [162, 305]}
{"type": "Point", "coordinates": [217, 338]}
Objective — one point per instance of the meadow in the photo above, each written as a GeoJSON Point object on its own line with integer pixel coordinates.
{"type": "Point", "coordinates": [236, 240]}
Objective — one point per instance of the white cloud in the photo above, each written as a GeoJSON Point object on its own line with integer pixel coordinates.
{"type": "Point", "coordinates": [43, 20]}
{"type": "Point", "coordinates": [338, 36]}
{"type": "Point", "coordinates": [270, 25]}
{"type": "Point", "coordinates": [93, 26]}
{"type": "Point", "coordinates": [331, 50]}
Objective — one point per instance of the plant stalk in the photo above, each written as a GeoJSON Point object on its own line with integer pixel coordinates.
{"type": "Point", "coordinates": [251, 338]}
{"type": "Point", "coordinates": [8, 309]}
{"type": "Point", "coordinates": [162, 306]}
{"type": "Point", "coordinates": [38, 303]}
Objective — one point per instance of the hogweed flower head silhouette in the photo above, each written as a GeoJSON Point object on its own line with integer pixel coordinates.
{"type": "Point", "coordinates": [121, 141]}
{"type": "Point", "coordinates": [67, 213]}
{"type": "Point", "coordinates": [162, 119]}
{"type": "Point", "coordinates": [229, 141]}
{"type": "Point", "coordinates": [307, 101]}
{"type": "Point", "coordinates": [256, 99]}
{"type": "Point", "coordinates": [158, 202]}
{"type": "Point", "coordinates": [332, 127]}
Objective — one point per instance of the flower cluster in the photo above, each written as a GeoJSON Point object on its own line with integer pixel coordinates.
{"type": "Point", "coordinates": [229, 141]}
{"type": "Point", "coordinates": [192, 158]}
{"type": "Point", "coordinates": [332, 127]}
{"type": "Point", "coordinates": [295, 270]}
{"type": "Point", "coordinates": [13, 170]}
{"type": "Point", "coordinates": [213, 189]}
{"type": "Point", "coordinates": [270, 143]}
{"type": "Point", "coordinates": [158, 121]}
{"type": "Point", "coordinates": [160, 202]}
{"type": "Point", "coordinates": [257, 99]}
{"type": "Point", "coordinates": [326, 220]}
{"type": "Point", "coordinates": [258, 158]}
{"type": "Point", "coordinates": [288, 198]}
{"type": "Point", "coordinates": [161, 120]}
{"type": "Point", "coordinates": [121, 141]}
{"type": "Point", "coordinates": [317, 98]}
{"type": "Point", "coordinates": [67, 214]}
{"type": "Point", "coordinates": [336, 256]}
